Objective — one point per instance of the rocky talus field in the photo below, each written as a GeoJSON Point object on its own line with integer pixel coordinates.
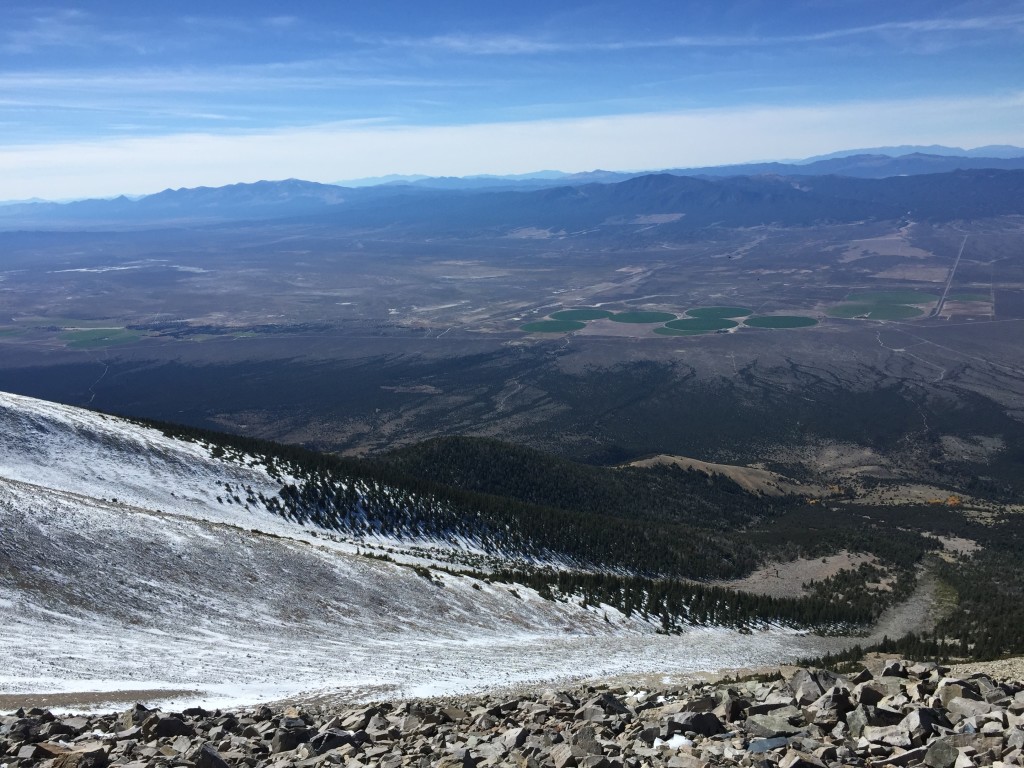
{"type": "Point", "coordinates": [903, 715]}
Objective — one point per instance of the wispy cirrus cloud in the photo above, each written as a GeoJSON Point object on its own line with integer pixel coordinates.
{"type": "Point", "coordinates": [85, 104]}
{"type": "Point", "coordinates": [65, 28]}
{"type": "Point", "coordinates": [213, 80]}
{"type": "Point", "coordinates": [923, 29]}
{"type": "Point", "coordinates": [34, 32]}
{"type": "Point", "coordinates": [515, 45]}
{"type": "Point", "coordinates": [44, 103]}
{"type": "Point", "coordinates": [280, 22]}
{"type": "Point", "coordinates": [45, 29]}
{"type": "Point", "coordinates": [484, 44]}
{"type": "Point", "coordinates": [237, 24]}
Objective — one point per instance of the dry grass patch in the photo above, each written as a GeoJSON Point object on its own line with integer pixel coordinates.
{"type": "Point", "coordinates": [787, 579]}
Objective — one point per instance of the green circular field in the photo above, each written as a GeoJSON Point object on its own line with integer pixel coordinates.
{"type": "Point", "coordinates": [665, 331]}
{"type": "Point", "coordinates": [850, 311]}
{"type": "Point", "coordinates": [894, 312]}
{"type": "Point", "coordinates": [780, 321]}
{"type": "Point", "coordinates": [552, 326]}
{"type": "Point", "coordinates": [891, 297]}
{"type": "Point", "coordinates": [581, 314]}
{"type": "Point", "coordinates": [875, 311]}
{"type": "Point", "coordinates": [701, 324]}
{"type": "Point", "coordinates": [717, 312]}
{"type": "Point", "coordinates": [642, 317]}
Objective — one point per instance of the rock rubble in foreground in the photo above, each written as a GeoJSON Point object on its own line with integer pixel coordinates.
{"type": "Point", "coordinates": [909, 715]}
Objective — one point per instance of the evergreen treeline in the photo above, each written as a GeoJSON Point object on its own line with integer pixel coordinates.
{"type": "Point", "coordinates": [366, 496]}
{"type": "Point", "coordinates": [808, 530]}
{"type": "Point", "coordinates": [370, 499]}
{"type": "Point", "coordinates": [664, 521]}
{"type": "Point", "coordinates": [657, 493]}
{"type": "Point", "coordinates": [989, 615]}
{"type": "Point", "coordinates": [633, 534]}
{"type": "Point", "coordinates": [987, 591]}
{"type": "Point", "coordinates": [676, 604]}
{"type": "Point", "coordinates": [986, 586]}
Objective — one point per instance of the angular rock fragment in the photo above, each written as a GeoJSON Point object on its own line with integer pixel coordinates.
{"type": "Point", "coordinates": [88, 757]}
{"type": "Point", "coordinates": [208, 757]}
{"type": "Point", "coordinates": [921, 719]}
{"type": "Point", "coordinates": [794, 759]}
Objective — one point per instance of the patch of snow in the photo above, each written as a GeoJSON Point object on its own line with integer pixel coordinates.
{"type": "Point", "coordinates": [676, 742]}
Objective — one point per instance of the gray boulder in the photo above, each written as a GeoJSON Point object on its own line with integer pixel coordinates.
{"type": "Point", "coordinates": [771, 725]}
{"type": "Point", "coordinates": [208, 757]}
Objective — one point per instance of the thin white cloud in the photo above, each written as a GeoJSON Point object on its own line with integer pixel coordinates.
{"type": "Point", "coordinates": [281, 22]}
{"type": "Point", "coordinates": [512, 45]}
{"type": "Point", "coordinates": [84, 105]}
{"type": "Point", "coordinates": [637, 141]}
{"type": "Point", "coordinates": [66, 28]}
{"type": "Point", "coordinates": [304, 74]}
{"type": "Point", "coordinates": [72, 28]}
{"type": "Point", "coordinates": [238, 24]}
{"type": "Point", "coordinates": [486, 44]}
{"type": "Point", "coordinates": [1005, 23]}
{"type": "Point", "coordinates": [216, 24]}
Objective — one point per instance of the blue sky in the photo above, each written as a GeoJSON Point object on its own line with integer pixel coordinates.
{"type": "Point", "coordinates": [107, 97]}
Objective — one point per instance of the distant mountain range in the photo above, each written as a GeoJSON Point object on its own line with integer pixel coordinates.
{"type": "Point", "coordinates": [874, 163]}
{"type": "Point", "coordinates": [680, 202]}
{"type": "Point", "coordinates": [990, 150]}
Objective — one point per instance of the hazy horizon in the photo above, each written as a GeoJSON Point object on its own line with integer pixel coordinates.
{"type": "Point", "coordinates": [120, 98]}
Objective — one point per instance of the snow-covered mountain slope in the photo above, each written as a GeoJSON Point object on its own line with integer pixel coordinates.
{"type": "Point", "coordinates": [102, 457]}
{"type": "Point", "coordinates": [122, 462]}
{"type": "Point", "coordinates": [121, 571]}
